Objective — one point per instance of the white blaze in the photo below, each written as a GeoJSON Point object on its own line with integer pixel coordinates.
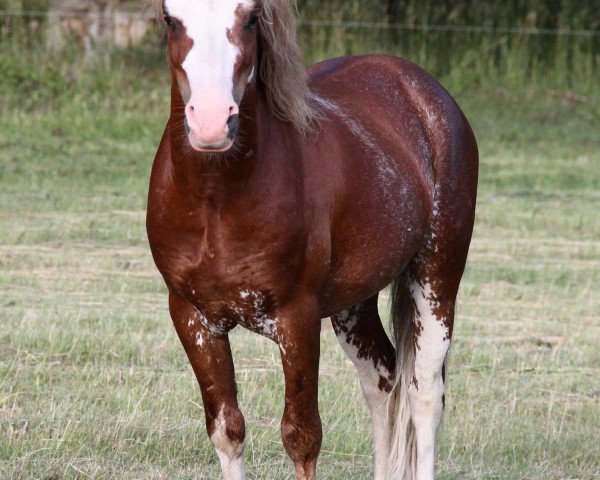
{"type": "Point", "coordinates": [211, 60]}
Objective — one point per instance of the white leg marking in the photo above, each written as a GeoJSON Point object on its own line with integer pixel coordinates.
{"type": "Point", "coordinates": [230, 453]}
{"type": "Point", "coordinates": [381, 434]}
{"type": "Point", "coordinates": [427, 388]}
{"type": "Point", "coordinates": [369, 375]}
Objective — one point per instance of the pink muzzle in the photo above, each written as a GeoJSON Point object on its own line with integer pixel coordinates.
{"type": "Point", "coordinates": [208, 117]}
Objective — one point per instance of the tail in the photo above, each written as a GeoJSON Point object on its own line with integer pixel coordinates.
{"type": "Point", "coordinates": [403, 446]}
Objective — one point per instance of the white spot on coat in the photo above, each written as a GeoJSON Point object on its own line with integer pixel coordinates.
{"type": "Point", "coordinates": [253, 314]}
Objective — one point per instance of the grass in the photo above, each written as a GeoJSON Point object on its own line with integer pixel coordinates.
{"type": "Point", "coordinates": [94, 383]}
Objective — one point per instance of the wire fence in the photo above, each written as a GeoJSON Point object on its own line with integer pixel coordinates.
{"type": "Point", "coordinates": [468, 52]}
{"type": "Point", "coordinates": [332, 23]}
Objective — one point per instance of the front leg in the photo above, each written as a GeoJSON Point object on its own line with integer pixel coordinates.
{"type": "Point", "coordinates": [301, 430]}
{"type": "Point", "coordinates": [211, 360]}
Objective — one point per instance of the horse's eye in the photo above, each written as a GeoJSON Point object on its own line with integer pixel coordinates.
{"type": "Point", "coordinates": [253, 22]}
{"type": "Point", "coordinates": [170, 23]}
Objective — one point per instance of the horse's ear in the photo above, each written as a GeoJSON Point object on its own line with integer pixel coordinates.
{"type": "Point", "coordinates": [282, 74]}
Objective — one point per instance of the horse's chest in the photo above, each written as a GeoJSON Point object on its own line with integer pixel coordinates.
{"type": "Point", "coordinates": [225, 298]}
{"type": "Point", "coordinates": [254, 310]}
{"type": "Point", "coordinates": [230, 282]}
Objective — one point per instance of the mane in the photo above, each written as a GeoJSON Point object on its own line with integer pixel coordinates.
{"type": "Point", "coordinates": [282, 74]}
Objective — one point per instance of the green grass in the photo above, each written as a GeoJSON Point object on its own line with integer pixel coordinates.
{"type": "Point", "coordinates": [94, 383]}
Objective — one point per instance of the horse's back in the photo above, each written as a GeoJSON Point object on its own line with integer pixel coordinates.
{"type": "Point", "coordinates": [396, 101]}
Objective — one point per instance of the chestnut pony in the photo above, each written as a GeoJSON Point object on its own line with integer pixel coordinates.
{"type": "Point", "coordinates": [280, 197]}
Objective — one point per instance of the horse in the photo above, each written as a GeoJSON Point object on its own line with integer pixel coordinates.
{"type": "Point", "coordinates": [281, 196]}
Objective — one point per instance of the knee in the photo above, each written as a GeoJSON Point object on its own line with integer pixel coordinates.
{"type": "Point", "coordinates": [302, 435]}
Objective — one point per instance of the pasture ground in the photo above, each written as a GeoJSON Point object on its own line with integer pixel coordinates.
{"type": "Point", "coordinates": [94, 383]}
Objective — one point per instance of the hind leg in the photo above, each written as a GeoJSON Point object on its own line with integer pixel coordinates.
{"type": "Point", "coordinates": [432, 323]}
{"type": "Point", "coordinates": [361, 335]}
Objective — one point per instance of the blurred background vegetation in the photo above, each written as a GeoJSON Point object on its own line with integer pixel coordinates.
{"type": "Point", "coordinates": [93, 381]}
{"type": "Point", "coordinates": [50, 46]}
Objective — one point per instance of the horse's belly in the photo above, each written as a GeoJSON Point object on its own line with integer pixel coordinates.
{"type": "Point", "coordinates": [372, 254]}
{"type": "Point", "coordinates": [353, 283]}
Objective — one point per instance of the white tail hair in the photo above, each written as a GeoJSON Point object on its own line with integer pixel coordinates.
{"type": "Point", "coordinates": [403, 446]}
